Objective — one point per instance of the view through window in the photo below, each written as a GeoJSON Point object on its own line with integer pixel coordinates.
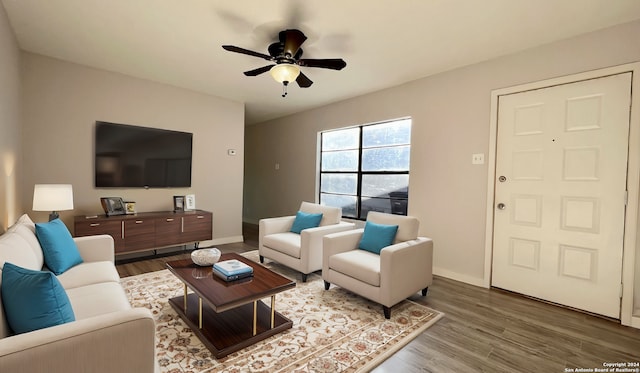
{"type": "Point", "coordinates": [366, 168]}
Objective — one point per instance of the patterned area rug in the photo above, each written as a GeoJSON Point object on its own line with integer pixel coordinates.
{"type": "Point", "coordinates": [333, 331]}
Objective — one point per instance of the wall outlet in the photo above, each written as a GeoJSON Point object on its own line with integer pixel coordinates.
{"type": "Point", "coordinates": [477, 158]}
{"type": "Point", "coordinates": [277, 166]}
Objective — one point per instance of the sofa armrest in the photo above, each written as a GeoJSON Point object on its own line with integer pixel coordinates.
{"type": "Point", "coordinates": [122, 341]}
{"type": "Point", "coordinates": [340, 242]}
{"type": "Point", "coordinates": [96, 248]}
{"type": "Point", "coordinates": [415, 257]}
{"type": "Point", "coordinates": [311, 242]}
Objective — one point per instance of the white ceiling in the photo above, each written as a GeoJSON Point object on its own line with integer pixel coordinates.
{"type": "Point", "coordinates": [384, 42]}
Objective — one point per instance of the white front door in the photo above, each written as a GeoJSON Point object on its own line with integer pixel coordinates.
{"type": "Point", "coordinates": [560, 190]}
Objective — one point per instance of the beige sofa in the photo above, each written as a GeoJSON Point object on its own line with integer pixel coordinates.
{"type": "Point", "coordinates": [108, 334]}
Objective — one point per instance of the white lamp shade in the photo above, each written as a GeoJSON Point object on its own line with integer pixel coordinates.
{"type": "Point", "coordinates": [285, 72]}
{"type": "Point", "coordinates": [52, 197]}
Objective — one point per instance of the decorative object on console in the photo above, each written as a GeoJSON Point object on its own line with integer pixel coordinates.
{"type": "Point", "coordinates": [189, 202]}
{"type": "Point", "coordinates": [178, 203]}
{"type": "Point", "coordinates": [205, 257]}
{"type": "Point", "coordinates": [52, 197]}
{"type": "Point", "coordinates": [130, 207]}
{"type": "Point", "coordinates": [113, 205]}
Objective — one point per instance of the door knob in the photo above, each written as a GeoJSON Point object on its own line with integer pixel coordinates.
{"type": "Point", "coordinates": [502, 179]}
{"type": "Point", "coordinates": [501, 206]}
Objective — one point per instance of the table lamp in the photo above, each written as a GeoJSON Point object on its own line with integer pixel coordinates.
{"type": "Point", "coordinates": [52, 197]}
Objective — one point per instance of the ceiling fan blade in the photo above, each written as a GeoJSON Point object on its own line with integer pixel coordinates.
{"type": "Point", "coordinates": [232, 48]}
{"type": "Point", "coordinates": [303, 81]}
{"type": "Point", "coordinates": [329, 63]}
{"type": "Point", "coordinates": [292, 40]}
{"type": "Point", "coordinates": [258, 71]}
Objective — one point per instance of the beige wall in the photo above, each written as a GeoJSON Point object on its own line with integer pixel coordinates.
{"type": "Point", "coordinates": [62, 101]}
{"type": "Point", "coordinates": [10, 146]}
{"type": "Point", "coordinates": [451, 113]}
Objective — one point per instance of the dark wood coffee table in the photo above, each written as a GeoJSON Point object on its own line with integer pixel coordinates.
{"type": "Point", "coordinates": [229, 316]}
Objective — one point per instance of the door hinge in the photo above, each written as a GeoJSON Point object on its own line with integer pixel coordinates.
{"type": "Point", "coordinates": [621, 288]}
{"type": "Point", "coordinates": [626, 197]}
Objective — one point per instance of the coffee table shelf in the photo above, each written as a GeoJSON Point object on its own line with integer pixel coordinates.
{"type": "Point", "coordinates": [229, 331]}
{"type": "Point", "coordinates": [229, 316]}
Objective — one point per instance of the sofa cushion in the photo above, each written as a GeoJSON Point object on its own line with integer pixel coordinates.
{"type": "Point", "coordinates": [27, 230]}
{"type": "Point", "coordinates": [15, 249]}
{"type": "Point", "coordinates": [304, 221]}
{"type": "Point", "coordinates": [330, 215]}
{"type": "Point", "coordinates": [59, 248]}
{"type": "Point", "coordinates": [97, 299]}
{"type": "Point", "coordinates": [359, 264]}
{"type": "Point", "coordinates": [377, 236]}
{"type": "Point", "coordinates": [88, 273]}
{"type": "Point", "coordinates": [33, 299]}
{"type": "Point", "coordinates": [287, 243]}
{"type": "Point", "coordinates": [408, 226]}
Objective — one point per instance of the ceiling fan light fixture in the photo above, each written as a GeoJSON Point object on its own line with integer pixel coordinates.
{"type": "Point", "coordinates": [285, 72]}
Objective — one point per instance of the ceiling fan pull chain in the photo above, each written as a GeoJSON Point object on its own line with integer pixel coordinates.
{"type": "Point", "coordinates": [284, 88]}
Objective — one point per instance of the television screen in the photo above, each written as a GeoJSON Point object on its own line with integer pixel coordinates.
{"type": "Point", "coordinates": [131, 156]}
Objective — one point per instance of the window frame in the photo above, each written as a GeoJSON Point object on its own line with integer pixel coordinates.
{"type": "Point", "coordinates": [359, 172]}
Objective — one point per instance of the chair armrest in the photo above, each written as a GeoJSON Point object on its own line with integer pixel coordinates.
{"type": "Point", "coordinates": [121, 341]}
{"type": "Point", "coordinates": [275, 225]}
{"type": "Point", "coordinates": [415, 257]}
{"type": "Point", "coordinates": [96, 248]}
{"type": "Point", "coordinates": [318, 232]}
{"type": "Point", "coordinates": [311, 243]}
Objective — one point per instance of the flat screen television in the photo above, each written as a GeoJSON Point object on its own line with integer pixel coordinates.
{"type": "Point", "coordinates": [129, 156]}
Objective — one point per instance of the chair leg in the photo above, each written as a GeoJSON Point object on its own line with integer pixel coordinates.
{"type": "Point", "coordinates": [261, 259]}
{"type": "Point", "coordinates": [326, 285]}
{"type": "Point", "coordinates": [304, 277]}
{"type": "Point", "coordinates": [387, 312]}
{"type": "Point", "coordinates": [424, 291]}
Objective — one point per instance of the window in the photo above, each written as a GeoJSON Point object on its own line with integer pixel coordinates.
{"type": "Point", "coordinates": [366, 168]}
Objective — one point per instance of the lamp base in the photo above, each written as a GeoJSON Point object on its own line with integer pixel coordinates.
{"type": "Point", "coordinates": [53, 216]}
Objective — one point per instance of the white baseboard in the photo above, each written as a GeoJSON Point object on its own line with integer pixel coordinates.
{"type": "Point", "coordinates": [459, 277]}
{"type": "Point", "coordinates": [221, 241]}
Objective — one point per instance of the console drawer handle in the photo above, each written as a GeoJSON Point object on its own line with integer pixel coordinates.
{"type": "Point", "coordinates": [169, 219]}
{"type": "Point", "coordinates": [94, 224]}
{"type": "Point", "coordinates": [139, 221]}
{"type": "Point", "coordinates": [199, 217]}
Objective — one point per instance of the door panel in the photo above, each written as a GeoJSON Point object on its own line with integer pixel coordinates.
{"type": "Point", "coordinates": [559, 217]}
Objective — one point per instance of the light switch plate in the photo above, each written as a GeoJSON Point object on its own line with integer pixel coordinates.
{"type": "Point", "coordinates": [477, 158]}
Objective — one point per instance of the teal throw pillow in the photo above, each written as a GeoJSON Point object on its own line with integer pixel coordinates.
{"type": "Point", "coordinates": [59, 249]}
{"type": "Point", "coordinates": [377, 236]}
{"type": "Point", "coordinates": [33, 300]}
{"type": "Point", "coordinates": [305, 220]}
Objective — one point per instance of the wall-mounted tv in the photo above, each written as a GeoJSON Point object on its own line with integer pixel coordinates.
{"type": "Point", "coordinates": [129, 156]}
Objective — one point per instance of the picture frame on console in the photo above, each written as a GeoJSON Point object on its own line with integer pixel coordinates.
{"type": "Point", "coordinates": [113, 206]}
{"type": "Point", "coordinates": [178, 203]}
{"type": "Point", "coordinates": [189, 202]}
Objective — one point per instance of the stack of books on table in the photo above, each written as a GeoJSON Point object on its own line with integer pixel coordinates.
{"type": "Point", "coordinates": [230, 270]}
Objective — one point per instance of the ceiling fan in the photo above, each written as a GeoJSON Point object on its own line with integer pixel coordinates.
{"type": "Point", "coordinates": [285, 55]}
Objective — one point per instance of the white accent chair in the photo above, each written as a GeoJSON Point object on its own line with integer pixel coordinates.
{"type": "Point", "coordinates": [302, 252]}
{"type": "Point", "coordinates": [400, 270]}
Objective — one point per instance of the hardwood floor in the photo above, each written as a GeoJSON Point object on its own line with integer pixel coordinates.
{"type": "Point", "coordinates": [487, 330]}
